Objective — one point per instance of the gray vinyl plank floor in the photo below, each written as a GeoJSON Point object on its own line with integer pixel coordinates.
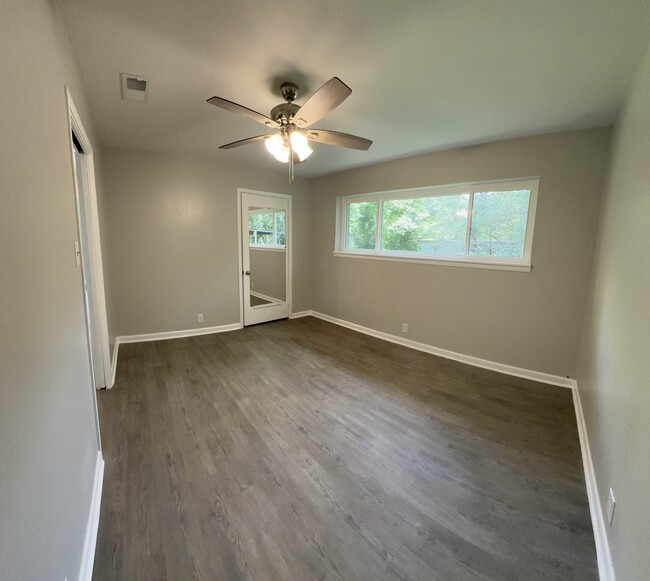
{"type": "Point", "coordinates": [302, 450]}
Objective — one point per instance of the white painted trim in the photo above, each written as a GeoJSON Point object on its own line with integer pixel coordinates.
{"type": "Point", "coordinates": [240, 258]}
{"type": "Point", "coordinates": [92, 224]}
{"type": "Point", "coordinates": [269, 248]}
{"type": "Point", "coordinates": [469, 359]}
{"type": "Point", "coordinates": [266, 297]}
{"type": "Point", "coordinates": [437, 261]}
{"type": "Point", "coordinates": [177, 334]}
{"type": "Point", "coordinates": [300, 314]}
{"type": "Point", "coordinates": [143, 338]}
{"type": "Point", "coordinates": [603, 554]}
{"type": "Point", "coordinates": [92, 525]}
{"type": "Point", "coordinates": [116, 350]}
{"type": "Point", "coordinates": [289, 246]}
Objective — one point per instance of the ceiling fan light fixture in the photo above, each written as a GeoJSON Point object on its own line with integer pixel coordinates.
{"type": "Point", "coordinates": [291, 142]}
{"type": "Point", "coordinates": [300, 145]}
{"type": "Point", "coordinates": [277, 147]}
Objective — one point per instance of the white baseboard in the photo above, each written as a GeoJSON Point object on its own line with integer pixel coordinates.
{"type": "Point", "coordinates": [469, 359]}
{"type": "Point", "coordinates": [161, 337]}
{"type": "Point", "coordinates": [301, 314]}
{"type": "Point", "coordinates": [92, 526]}
{"type": "Point", "coordinates": [603, 554]}
{"type": "Point", "coordinates": [116, 350]}
{"type": "Point", "coordinates": [177, 334]}
{"type": "Point", "coordinates": [265, 297]}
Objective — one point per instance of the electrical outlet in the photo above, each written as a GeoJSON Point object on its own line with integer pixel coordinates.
{"type": "Point", "coordinates": [611, 506]}
{"type": "Point", "coordinates": [405, 327]}
{"type": "Point", "coordinates": [200, 317]}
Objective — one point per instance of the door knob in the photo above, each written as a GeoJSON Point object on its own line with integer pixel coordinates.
{"type": "Point", "coordinates": [248, 273]}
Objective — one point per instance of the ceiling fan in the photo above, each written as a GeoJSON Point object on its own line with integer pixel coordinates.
{"type": "Point", "coordinates": [290, 143]}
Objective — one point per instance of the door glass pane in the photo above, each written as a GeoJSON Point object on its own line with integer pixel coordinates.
{"type": "Point", "coordinates": [260, 226]}
{"type": "Point", "coordinates": [361, 231]}
{"type": "Point", "coordinates": [432, 225]}
{"type": "Point", "coordinates": [499, 222]}
{"type": "Point", "coordinates": [267, 256]}
{"type": "Point", "coordinates": [280, 228]}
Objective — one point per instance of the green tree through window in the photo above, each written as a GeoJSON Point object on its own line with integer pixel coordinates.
{"type": "Point", "coordinates": [362, 225]}
{"type": "Point", "coordinates": [432, 224]}
{"type": "Point", "coordinates": [267, 228]}
{"type": "Point", "coordinates": [499, 223]}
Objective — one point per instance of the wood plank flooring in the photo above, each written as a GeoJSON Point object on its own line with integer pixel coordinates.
{"type": "Point", "coordinates": [302, 450]}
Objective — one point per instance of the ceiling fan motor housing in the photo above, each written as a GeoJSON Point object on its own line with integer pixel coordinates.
{"type": "Point", "coordinates": [289, 91]}
{"type": "Point", "coordinates": [283, 112]}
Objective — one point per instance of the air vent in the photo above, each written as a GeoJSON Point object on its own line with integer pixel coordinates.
{"type": "Point", "coordinates": [134, 88]}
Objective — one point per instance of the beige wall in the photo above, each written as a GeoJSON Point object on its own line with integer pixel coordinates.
{"type": "Point", "coordinates": [530, 320]}
{"type": "Point", "coordinates": [172, 224]}
{"type": "Point", "coordinates": [48, 439]}
{"type": "Point", "coordinates": [614, 370]}
{"type": "Point", "coordinates": [268, 272]}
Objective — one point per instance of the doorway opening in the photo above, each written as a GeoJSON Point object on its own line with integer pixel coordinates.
{"type": "Point", "coordinates": [265, 256]}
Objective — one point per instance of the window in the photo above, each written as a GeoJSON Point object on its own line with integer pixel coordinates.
{"type": "Point", "coordinates": [267, 228]}
{"type": "Point", "coordinates": [486, 225]}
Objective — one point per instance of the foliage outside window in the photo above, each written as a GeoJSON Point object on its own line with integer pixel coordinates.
{"type": "Point", "coordinates": [267, 228]}
{"type": "Point", "coordinates": [485, 224]}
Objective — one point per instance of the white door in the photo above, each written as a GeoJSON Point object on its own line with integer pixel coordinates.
{"type": "Point", "coordinates": [266, 256]}
{"type": "Point", "coordinates": [90, 299]}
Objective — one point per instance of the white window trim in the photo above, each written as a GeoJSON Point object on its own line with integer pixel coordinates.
{"type": "Point", "coordinates": [268, 247]}
{"type": "Point", "coordinates": [522, 264]}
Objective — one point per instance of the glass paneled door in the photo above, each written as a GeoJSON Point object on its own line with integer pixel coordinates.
{"type": "Point", "coordinates": [266, 273]}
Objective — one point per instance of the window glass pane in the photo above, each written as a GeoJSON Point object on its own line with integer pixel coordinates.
{"type": "Point", "coordinates": [499, 223]}
{"type": "Point", "coordinates": [260, 227]}
{"type": "Point", "coordinates": [280, 228]}
{"type": "Point", "coordinates": [361, 225]}
{"type": "Point", "coordinates": [434, 225]}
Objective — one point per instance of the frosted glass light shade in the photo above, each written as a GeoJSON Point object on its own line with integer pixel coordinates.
{"type": "Point", "coordinates": [300, 145]}
{"type": "Point", "coordinates": [278, 148]}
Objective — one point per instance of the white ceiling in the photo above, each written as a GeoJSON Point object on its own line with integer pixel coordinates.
{"type": "Point", "coordinates": [425, 75]}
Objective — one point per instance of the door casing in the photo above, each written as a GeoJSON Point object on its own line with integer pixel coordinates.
{"type": "Point", "coordinates": [289, 236]}
{"type": "Point", "coordinates": [92, 227]}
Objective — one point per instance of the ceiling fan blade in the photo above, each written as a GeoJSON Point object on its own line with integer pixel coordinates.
{"type": "Point", "coordinates": [241, 110]}
{"type": "Point", "coordinates": [328, 97]}
{"type": "Point", "coordinates": [339, 139]}
{"type": "Point", "coordinates": [246, 141]}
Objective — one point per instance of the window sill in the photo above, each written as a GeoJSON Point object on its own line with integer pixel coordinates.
{"type": "Point", "coordinates": [438, 261]}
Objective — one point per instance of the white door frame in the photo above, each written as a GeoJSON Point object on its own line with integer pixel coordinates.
{"type": "Point", "coordinates": [289, 235]}
{"type": "Point", "coordinates": [96, 279]}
